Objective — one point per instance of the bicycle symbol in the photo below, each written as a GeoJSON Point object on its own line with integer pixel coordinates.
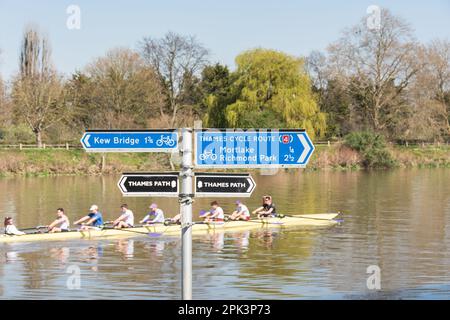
{"type": "Point", "coordinates": [208, 155]}
{"type": "Point", "coordinates": [165, 141]}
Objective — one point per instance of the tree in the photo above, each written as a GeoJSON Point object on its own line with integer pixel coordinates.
{"type": "Point", "coordinates": [383, 63]}
{"type": "Point", "coordinates": [2, 96]}
{"type": "Point", "coordinates": [37, 92]}
{"type": "Point", "coordinates": [332, 96]}
{"type": "Point", "coordinates": [274, 91]}
{"type": "Point", "coordinates": [177, 59]}
{"type": "Point", "coordinates": [216, 89]}
{"type": "Point", "coordinates": [4, 106]}
{"type": "Point", "coordinates": [430, 92]}
{"type": "Point", "coordinates": [117, 90]}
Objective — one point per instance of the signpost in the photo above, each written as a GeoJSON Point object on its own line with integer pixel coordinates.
{"type": "Point", "coordinates": [149, 184]}
{"type": "Point", "coordinates": [130, 140]}
{"type": "Point", "coordinates": [224, 185]}
{"type": "Point", "coordinates": [226, 148]}
{"type": "Point", "coordinates": [260, 148]}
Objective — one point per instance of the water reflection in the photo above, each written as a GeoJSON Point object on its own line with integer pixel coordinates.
{"type": "Point", "coordinates": [125, 247]}
{"type": "Point", "coordinates": [398, 220]}
{"type": "Point", "coordinates": [60, 254]}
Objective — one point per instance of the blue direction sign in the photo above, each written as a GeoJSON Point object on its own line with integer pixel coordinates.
{"type": "Point", "coordinates": [260, 148]}
{"type": "Point", "coordinates": [130, 140]}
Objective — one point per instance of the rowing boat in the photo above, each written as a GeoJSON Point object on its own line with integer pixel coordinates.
{"type": "Point", "coordinates": [324, 219]}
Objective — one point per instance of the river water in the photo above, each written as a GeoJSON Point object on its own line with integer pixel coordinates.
{"type": "Point", "coordinates": [397, 221]}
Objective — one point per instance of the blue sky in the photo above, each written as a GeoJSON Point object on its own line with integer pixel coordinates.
{"type": "Point", "coordinates": [226, 27]}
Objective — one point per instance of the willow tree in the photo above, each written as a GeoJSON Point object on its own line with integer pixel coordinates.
{"type": "Point", "coordinates": [37, 92]}
{"type": "Point", "coordinates": [274, 91]}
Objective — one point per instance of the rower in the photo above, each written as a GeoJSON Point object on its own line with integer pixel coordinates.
{"type": "Point", "coordinates": [267, 209]}
{"type": "Point", "coordinates": [215, 214]}
{"type": "Point", "coordinates": [241, 212]}
{"type": "Point", "coordinates": [176, 219]}
{"type": "Point", "coordinates": [93, 219]}
{"type": "Point", "coordinates": [155, 212]}
{"type": "Point", "coordinates": [10, 228]}
{"type": "Point", "coordinates": [61, 224]}
{"type": "Point", "coordinates": [126, 219]}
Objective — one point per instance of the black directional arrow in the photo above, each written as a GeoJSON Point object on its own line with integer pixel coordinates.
{"type": "Point", "coordinates": [224, 185]}
{"type": "Point", "coordinates": [149, 184]}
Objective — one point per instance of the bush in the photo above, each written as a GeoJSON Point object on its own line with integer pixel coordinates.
{"type": "Point", "coordinates": [17, 134]}
{"type": "Point", "coordinates": [372, 147]}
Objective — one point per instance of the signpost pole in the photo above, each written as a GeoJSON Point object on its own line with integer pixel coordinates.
{"type": "Point", "coordinates": [186, 213]}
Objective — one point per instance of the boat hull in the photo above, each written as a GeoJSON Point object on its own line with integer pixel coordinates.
{"type": "Point", "coordinates": [326, 219]}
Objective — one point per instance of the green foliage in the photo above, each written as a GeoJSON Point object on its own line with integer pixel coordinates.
{"type": "Point", "coordinates": [17, 134]}
{"type": "Point", "coordinates": [372, 148]}
{"type": "Point", "coordinates": [272, 87]}
{"type": "Point", "coordinates": [216, 88]}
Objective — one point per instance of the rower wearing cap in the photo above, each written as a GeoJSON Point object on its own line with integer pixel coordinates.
{"type": "Point", "coordinates": [126, 219]}
{"type": "Point", "coordinates": [93, 219]}
{"type": "Point", "coordinates": [10, 228]}
{"type": "Point", "coordinates": [241, 212]}
{"type": "Point", "coordinates": [267, 209]}
{"type": "Point", "coordinates": [61, 224]}
{"type": "Point", "coordinates": [156, 213]}
{"type": "Point", "coordinates": [215, 214]}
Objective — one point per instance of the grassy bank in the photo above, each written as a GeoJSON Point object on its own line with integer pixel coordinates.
{"type": "Point", "coordinates": [78, 162]}
{"type": "Point", "coordinates": [341, 157]}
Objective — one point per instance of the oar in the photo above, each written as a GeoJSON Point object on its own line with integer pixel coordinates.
{"type": "Point", "coordinates": [150, 234]}
{"type": "Point", "coordinates": [37, 228]}
{"type": "Point", "coordinates": [33, 228]}
{"type": "Point", "coordinates": [307, 217]}
{"type": "Point", "coordinates": [260, 221]}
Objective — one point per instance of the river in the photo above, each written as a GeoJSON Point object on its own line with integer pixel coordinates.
{"type": "Point", "coordinates": [397, 221]}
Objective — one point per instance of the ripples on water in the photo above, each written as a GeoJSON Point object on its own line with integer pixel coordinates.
{"type": "Point", "coordinates": [399, 221]}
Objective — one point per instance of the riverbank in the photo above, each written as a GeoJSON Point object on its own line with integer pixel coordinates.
{"type": "Point", "coordinates": [50, 162]}
{"type": "Point", "coordinates": [341, 157]}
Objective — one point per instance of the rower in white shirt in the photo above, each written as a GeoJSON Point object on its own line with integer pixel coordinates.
{"type": "Point", "coordinates": [10, 228]}
{"type": "Point", "coordinates": [215, 214]}
{"type": "Point", "coordinates": [61, 224]}
{"type": "Point", "coordinates": [241, 212]}
{"type": "Point", "coordinates": [156, 215]}
{"type": "Point", "coordinates": [126, 219]}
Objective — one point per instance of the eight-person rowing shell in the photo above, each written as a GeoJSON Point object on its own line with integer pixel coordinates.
{"type": "Point", "coordinates": [94, 218]}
